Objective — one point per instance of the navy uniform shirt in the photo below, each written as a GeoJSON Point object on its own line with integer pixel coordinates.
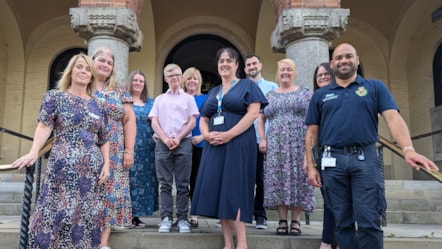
{"type": "Point", "coordinates": [349, 116]}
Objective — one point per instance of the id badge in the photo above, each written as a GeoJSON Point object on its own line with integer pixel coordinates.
{"type": "Point", "coordinates": [328, 162]}
{"type": "Point", "coordinates": [218, 120]}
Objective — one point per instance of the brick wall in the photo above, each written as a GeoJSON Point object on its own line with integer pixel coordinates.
{"type": "Point", "coordinates": [280, 5]}
{"type": "Point", "coordinates": [135, 5]}
{"type": "Point", "coordinates": [103, 3]}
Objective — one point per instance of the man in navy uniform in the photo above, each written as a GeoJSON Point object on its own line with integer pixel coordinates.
{"type": "Point", "coordinates": [343, 121]}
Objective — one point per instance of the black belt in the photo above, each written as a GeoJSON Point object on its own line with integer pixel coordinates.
{"type": "Point", "coordinates": [348, 149]}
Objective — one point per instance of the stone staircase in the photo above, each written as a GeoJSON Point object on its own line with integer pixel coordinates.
{"type": "Point", "coordinates": [409, 202]}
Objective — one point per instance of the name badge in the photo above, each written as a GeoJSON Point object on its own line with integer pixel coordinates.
{"type": "Point", "coordinates": [219, 120]}
{"type": "Point", "coordinates": [93, 115]}
{"type": "Point", "coordinates": [328, 162]}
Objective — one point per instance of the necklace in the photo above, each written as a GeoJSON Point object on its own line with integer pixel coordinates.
{"type": "Point", "coordinates": [82, 95]}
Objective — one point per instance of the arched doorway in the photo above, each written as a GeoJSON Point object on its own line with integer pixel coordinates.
{"type": "Point", "coordinates": [200, 51]}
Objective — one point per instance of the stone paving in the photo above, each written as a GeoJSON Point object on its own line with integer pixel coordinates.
{"type": "Point", "coordinates": [207, 235]}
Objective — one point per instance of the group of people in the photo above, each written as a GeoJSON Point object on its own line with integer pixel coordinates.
{"type": "Point", "coordinates": [243, 148]}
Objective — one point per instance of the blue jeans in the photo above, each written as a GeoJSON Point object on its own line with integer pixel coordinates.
{"type": "Point", "coordinates": [170, 164]}
{"type": "Point", "coordinates": [328, 225]}
{"type": "Point", "coordinates": [354, 191]}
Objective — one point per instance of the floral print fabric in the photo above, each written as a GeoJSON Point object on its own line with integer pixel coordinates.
{"type": "Point", "coordinates": [69, 212]}
{"type": "Point", "coordinates": [143, 178]}
{"type": "Point", "coordinates": [117, 201]}
{"type": "Point", "coordinates": [284, 181]}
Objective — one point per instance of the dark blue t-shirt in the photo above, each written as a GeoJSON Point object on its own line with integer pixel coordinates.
{"type": "Point", "coordinates": [349, 116]}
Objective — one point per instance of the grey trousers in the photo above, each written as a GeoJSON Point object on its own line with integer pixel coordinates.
{"type": "Point", "coordinates": [170, 164]}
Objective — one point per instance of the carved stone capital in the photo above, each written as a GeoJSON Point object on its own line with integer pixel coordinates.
{"type": "Point", "coordinates": [120, 23]}
{"type": "Point", "coordinates": [294, 24]}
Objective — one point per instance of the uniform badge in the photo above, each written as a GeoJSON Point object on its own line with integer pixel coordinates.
{"type": "Point", "coordinates": [361, 91]}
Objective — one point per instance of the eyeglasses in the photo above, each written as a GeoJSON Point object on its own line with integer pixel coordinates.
{"type": "Point", "coordinates": [173, 75]}
{"type": "Point", "coordinates": [322, 74]}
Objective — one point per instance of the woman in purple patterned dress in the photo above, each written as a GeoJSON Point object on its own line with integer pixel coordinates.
{"type": "Point", "coordinates": [122, 130]}
{"type": "Point", "coordinates": [69, 212]}
{"type": "Point", "coordinates": [285, 182]}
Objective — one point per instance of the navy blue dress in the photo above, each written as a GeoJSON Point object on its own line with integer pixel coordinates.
{"type": "Point", "coordinates": [226, 176]}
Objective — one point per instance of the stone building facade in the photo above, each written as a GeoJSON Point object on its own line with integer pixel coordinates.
{"type": "Point", "coordinates": [398, 41]}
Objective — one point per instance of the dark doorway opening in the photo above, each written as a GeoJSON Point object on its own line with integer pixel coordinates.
{"type": "Point", "coordinates": [437, 76]}
{"type": "Point", "coordinates": [200, 51]}
{"type": "Point", "coordinates": [60, 63]}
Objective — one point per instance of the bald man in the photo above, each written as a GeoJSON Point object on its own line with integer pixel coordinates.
{"type": "Point", "coordinates": [343, 121]}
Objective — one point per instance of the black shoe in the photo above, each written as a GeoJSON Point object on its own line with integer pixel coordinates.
{"type": "Point", "coordinates": [193, 223]}
{"type": "Point", "coordinates": [261, 223]}
{"type": "Point", "coordinates": [137, 223]}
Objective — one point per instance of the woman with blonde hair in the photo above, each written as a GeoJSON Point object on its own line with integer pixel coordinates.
{"type": "Point", "coordinates": [192, 82]}
{"type": "Point", "coordinates": [122, 127]}
{"type": "Point", "coordinates": [69, 212]}
{"type": "Point", "coordinates": [286, 186]}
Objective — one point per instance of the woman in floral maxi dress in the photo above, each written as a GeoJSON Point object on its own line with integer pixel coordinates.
{"type": "Point", "coordinates": [142, 176]}
{"type": "Point", "coordinates": [69, 212]}
{"type": "Point", "coordinates": [285, 183]}
{"type": "Point", "coordinates": [122, 130]}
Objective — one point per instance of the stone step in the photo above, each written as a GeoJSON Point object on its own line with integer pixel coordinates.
{"type": "Point", "coordinates": [408, 201]}
{"type": "Point", "coordinates": [208, 236]}
{"type": "Point", "coordinates": [393, 216]}
{"type": "Point", "coordinates": [426, 192]}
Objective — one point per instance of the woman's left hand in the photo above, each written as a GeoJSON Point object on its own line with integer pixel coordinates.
{"type": "Point", "coordinates": [262, 146]}
{"type": "Point", "coordinates": [105, 173]}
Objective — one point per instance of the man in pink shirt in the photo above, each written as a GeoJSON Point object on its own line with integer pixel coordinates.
{"type": "Point", "coordinates": [173, 118]}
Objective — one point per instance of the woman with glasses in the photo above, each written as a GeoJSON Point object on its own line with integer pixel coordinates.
{"type": "Point", "coordinates": [322, 77]}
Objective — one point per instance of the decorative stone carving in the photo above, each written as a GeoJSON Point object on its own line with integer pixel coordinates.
{"type": "Point", "coordinates": [297, 24]}
{"type": "Point", "coordinates": [120, 23]}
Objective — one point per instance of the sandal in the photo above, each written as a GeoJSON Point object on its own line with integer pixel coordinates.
{"type": "Point", "coordinates": [193, 223]}
{"type": "Point", "coordinates": [283, 229]}
{"type": "Point", "coordinates": [295, 231]}
{"type": "Point", "coordinates": [137, 223]}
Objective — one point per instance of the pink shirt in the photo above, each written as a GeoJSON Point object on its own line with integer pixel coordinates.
{"type": "Point", "coordinates": [173, 111]}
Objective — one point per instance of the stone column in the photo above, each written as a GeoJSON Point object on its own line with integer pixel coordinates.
{"type": "Point", "coordinates": [115, 28]}
{"type": "Point", "coordinates": [305, 35]}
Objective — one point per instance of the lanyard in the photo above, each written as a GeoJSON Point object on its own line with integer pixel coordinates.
{"type": "Point", "coordinates": [220, 96]}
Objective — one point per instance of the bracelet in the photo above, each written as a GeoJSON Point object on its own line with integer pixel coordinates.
{"type": "Point", "coordinates": [128, 152]}
{"type": "Point", "coordinates": [407, 148]}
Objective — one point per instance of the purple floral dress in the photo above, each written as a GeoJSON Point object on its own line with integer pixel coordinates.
{"type": "Point", "coordinates": [284, 181]}
{"type": "Point", "coordinates": [69, 212]}
{"type": "Point", "coordinates": [117, 201]}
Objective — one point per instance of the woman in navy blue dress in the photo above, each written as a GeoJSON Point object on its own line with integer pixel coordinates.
{"type": "Point", "coordinates": [226, 177]}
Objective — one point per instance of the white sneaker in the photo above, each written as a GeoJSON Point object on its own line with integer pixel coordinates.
{"type": "Point", "coordinates": [218, 224]}
{"type": "Point", "coordinates": [183, 226]}
{"type": "Point", "coordinates": [165, 225]}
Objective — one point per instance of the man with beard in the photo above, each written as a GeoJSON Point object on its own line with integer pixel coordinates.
{"type": "Point", "coordinates": [343, 120]}
{"type": "Point", "coordinates": [253, 69]}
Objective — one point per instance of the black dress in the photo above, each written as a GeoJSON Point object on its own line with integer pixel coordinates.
{"type": "Point", "coordinates": [226, 176]}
